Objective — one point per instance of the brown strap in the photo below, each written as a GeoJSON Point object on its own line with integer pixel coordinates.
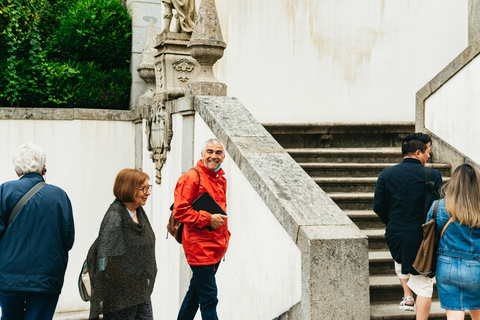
{"type": "Point", "coordinates": [198, 173]}
{"type": "Point", "coordinates": [451, 219]}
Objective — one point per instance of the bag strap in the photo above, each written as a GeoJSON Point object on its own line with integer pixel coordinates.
{"type": "Point", "coordinates": [198, 187]}
{"type": "Point", "coordinates": [449, 221]}
{"type": "Point", "coordinates": [431, 188]}
{"type": "Point", "coordinates": [24, 199]}
{"type": "Point", "coordinates": [198, 173]}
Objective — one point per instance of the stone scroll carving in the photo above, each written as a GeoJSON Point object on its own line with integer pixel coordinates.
{"type": "Point", "coordinates": [159, 134]}
{"type": "Point", "coordinates": [183, 67]}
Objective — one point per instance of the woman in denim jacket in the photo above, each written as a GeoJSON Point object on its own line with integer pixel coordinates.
{"type": "Point", "coordinates": [458, 267]}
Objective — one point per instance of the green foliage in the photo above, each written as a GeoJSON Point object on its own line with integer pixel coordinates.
{"type": "Point", "coordinates": [95, 30]}
{"type": "Point", "coordinates": [102, 89]}
{"type": "Point", "coordinates": [31, 73]}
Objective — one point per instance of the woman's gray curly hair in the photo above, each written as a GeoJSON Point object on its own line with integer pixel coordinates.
{"type": "Point", "coordinates": [29, 158]}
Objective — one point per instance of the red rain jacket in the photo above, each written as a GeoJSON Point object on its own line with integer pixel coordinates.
{"type": "Point", "coordinates": [202, 247]}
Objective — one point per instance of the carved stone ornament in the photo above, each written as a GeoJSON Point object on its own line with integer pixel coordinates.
{"type": "Point", "coordinates": [159, 134]}
{"type": "Point", "coordinates": [159, 75]}
{"type": "Point", "coordinates": [184, 67]}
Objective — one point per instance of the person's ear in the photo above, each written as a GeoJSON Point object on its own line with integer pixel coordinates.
{"type": "Point", "coordinates": [44, 170]}
{"type": "Point", "coordinates": [17, 173]}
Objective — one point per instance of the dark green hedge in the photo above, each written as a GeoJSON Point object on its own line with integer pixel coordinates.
{"type": "Point", "coordinates": [56, 53]}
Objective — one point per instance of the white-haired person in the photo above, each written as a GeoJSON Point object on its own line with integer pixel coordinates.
{"type": "Point", "coordinates": [458, 266]}
{"type": "Point", "coordinates": [34, 245]}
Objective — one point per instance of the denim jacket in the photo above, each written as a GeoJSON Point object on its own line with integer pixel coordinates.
{"type": "Point", "coordinates": [458, 241]}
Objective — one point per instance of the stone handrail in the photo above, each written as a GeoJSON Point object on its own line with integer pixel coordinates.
{"type": "Point", "coordinates": [443, 151]}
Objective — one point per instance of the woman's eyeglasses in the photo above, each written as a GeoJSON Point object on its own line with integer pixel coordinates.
{"type": "Point", "coordinates": [146, 189]}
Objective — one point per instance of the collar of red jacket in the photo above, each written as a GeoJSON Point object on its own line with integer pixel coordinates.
{"type": "Point", "coordinates": [204, 169]}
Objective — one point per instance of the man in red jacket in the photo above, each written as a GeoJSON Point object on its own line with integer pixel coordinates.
{"type": "Point", "coordinates": [204, 247]}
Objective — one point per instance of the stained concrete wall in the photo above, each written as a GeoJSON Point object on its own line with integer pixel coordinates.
{"type": "Point", "coordinates": [339, 61]}
{"type": "Point", "coordinates": [328, 60]}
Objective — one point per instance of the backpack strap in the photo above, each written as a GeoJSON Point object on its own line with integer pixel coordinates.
{"type": "Point", "coordinates": [430, 188]}
{"type": "Point", "coordinates": [198, 187]}
{"type": "Point", "coordinates": [198, 173]}
{"type": "Point", "coordinates": [24, 200]}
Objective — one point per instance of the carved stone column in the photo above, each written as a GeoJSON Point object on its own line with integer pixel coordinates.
{"type": "Point", "coordinates": [174, 66]}
{"type": "Point", "coordinates": [146, 67]}
{"type": "Point", "coordinates": [207, 46]}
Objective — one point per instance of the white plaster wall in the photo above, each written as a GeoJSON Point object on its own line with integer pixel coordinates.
{"type": "Point", "coordinates": [83, 158]}
{"type": "Point", "coordinates": [169, 253]}
{"type": "Point", "coordinates": [336, 60]}
{"type": "Point", "coordinates": [453, 112]}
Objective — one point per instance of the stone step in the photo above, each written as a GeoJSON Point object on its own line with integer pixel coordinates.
{"type": "Point", "coordinates": [353, 201]}
{"type": "Point", "coordinates": [346, 184]}
{"type": "Point", "coordinates": [355, 155]}
{"type": "Point", "coordinates": [350, 184]}
{"type": "Point", "coordinates": [390, 311]}
{"type": "Point", "coordinates": [331, 169]}
{"type": "Point", "coordinates": [381, 262]}
{"type": "Point", "coordinates": [345, 135]}
{"type": "Point", "coordinates": [376, 238]}
{"type": "Point", "coordinates": [365, 219]}
{"type": "Point", "coordinates": [74, 315]}
{"type": "Point", "coordinates": [387, 289]}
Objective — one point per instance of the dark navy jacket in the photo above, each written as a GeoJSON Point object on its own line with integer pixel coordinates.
{"type": "Point", "coordinates": [399, 202]}
{"type": "Point", "coordinates": [34, 247]}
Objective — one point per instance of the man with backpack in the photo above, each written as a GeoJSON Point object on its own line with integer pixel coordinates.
{"type": "Point", "coordinates": [399, 201]}
{"type": "Point", "coordinates": [205, 234]}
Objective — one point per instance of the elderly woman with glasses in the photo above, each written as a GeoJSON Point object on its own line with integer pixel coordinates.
{"type": "Point", "coordinates": [121, 262]}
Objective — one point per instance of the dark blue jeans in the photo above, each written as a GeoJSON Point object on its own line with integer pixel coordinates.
{"type": "Point", "coordinates": [27, 305]}
{"type": "Point", "coordinates": [203, 292]}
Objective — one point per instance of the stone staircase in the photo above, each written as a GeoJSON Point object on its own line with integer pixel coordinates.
{"type": "Point", "coordinates": [345, 161]}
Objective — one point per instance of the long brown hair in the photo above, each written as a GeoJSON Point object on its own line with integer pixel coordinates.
{"type": "Point", "coordinates": [462, 195]}
{"type": "Point", "coordinates": [127, 183]}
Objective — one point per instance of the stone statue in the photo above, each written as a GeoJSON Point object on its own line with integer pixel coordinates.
{"type": "Point", "coordinates": [185, 16]}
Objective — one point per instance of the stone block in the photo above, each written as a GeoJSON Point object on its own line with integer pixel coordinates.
{"type": "Point", "coordinates": [174, 67]}
{"type": "Point", "coordinates": [102, 114]}
{"type": "Point", "coordinates": [37, 113]}
{"type": "Point", "coordinates": [202, 88]}
{"type": "Point", "coordinates": [334, 274]}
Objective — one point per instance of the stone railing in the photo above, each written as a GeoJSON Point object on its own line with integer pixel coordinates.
{"type": "Point", "coordinates": [447, 109]}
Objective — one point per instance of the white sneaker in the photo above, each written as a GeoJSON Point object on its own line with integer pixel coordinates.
{"type": "Point", "coordinates": [404, 306]}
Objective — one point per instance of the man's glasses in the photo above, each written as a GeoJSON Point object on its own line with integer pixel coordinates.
{"type": "Point", "coordinates": [146, 189]}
